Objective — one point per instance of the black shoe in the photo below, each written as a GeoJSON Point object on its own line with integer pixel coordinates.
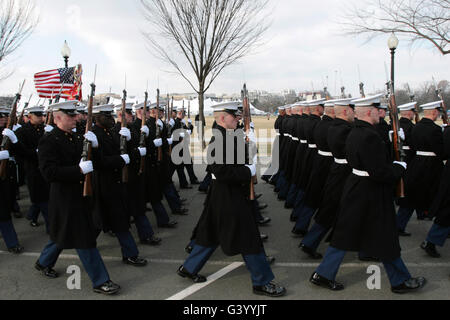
{"type": "Point", "coordinates": [203, 190]}
{"type": "Point", "coordinates": [276, 190]}
{"type": "Point", "coordinates": [403, 233]}
{"type": "Point", "coordinates": [197, 278]}
{"type": "Point", "coordinates": [186, 187]}
{"type": "Point", "coordinates": [152, 241]}
{"type": "Point", "coordinates": [111, 234]}
{"type": "Point", "coordinates": [107, 288]}
{"type": "Point", "coordinates": [430, 249]}
{"type": "Point", "coordinates": [288, 206]}
{"type": "Point", "coordinates": [271, 290]}
{"type": "Point", "coordinates": [46, 271]}
{"type": "Point", "coordinates": [257, 196]}
{"type": "Point", "coordinates": [264, 237]}
{"type": "Point", "coordinates": [34, 224]}
{"type": "Point", "coordinates": [318, 280]}
{"type": "Point", "coordinates": [270, 259]}
{"type": "Point", "coordinates": [264, 221]}
{"type": "Point", "coordinates": [298, 233]}
{"type": "Point", "coordinates": [17, 249]}
{"type": "Point", "coordinates": [195, 182]}
{"type": "Point", "coordinates": [368, 259]}
{"type": "Point", "coordinates": [281, 198]}
{"type": "Point", "coordinates": [135, 261]}
{"type": "Point", "coordinates": [169, 225]}
{"type": "Point", "coordinates": [180, 212]}
{"type": "Point", "coordinates": [310, 252]}
{"type": "Point", "coordinates": [292, 218]}
{"type": "Point", "coordinates": [148, 209]}
{"type": "Point", "coordinates": [263, 206]}
{"type": "Point", "coordinates": [411, 285]}
{"type": "Point", "coordinates": [188, 249]}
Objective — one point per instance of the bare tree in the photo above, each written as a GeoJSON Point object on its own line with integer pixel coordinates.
{"type": "Point", "coordinates": [17, 23]}
{"type": "Point", "coordinates": [200, 38]}
{"type": "Point", "coordinates": [417, 20]}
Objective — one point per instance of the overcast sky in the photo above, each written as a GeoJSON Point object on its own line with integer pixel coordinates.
{"type": "Point", "coordinates": [303, 47]}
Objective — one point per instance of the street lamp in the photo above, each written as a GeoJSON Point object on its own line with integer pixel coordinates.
{"type": "Point", "coordinates": [392, 44]}
{"type": "Point", "coordinates": [65, 52]}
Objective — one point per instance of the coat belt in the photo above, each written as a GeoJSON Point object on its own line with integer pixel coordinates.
{"type": "Point", "coordinates": [406, 148]}
{"type": "Point", "coordinates": [361, 173]}
{"type": "Point", "coordinates": [312, 146]}
{"type": "Point", "coordinates": [295, 139]}
{"type": "Point", "coordinates": [286, 135]}
{"type": "Point", "coordinates": [340, 161]}
{"type": "Point", "coordinates": [213, 176]}
{"type": "Point", "coordinates": [325, 153]}
{"type": "Point", "coordinates": [303, 142]}
{"type": "Point", "coordinates": [426, 154]}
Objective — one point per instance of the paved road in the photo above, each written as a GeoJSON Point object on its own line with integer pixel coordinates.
{"type": "Point", "coordinates": [228, 277]}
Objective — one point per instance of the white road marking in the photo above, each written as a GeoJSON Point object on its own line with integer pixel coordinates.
{"type": "Point", "coordinates": [196, 287]}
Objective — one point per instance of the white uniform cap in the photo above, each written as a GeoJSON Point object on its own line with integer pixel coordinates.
{"type": "Point", "coordinates": [341, 102]}
{"type": "Point", "coordinates": [68, 107]}
{"type": "Point", "coordinates": [432, 105]}
{"type": "Point", "coordinates": [281, 108]}
{"type": "Point", "coordinates": [34, 109]}
{"type": "Point", "coordinates": [316, 102]}
{"type": "Point", "coordinates": [407, 106]}
{"type": "Point", "coordinates": [230, 107]}
{"type": "Point", "coordinates": [128, 106]}
{"type": "Point", "coordinates": [5, 110]}
{"type": "Point", "coordinates": [139, 106]}
{"type": "Point", "coordinates": [104, 108]}
{"type": "Point", "coordinates": [373, 101]}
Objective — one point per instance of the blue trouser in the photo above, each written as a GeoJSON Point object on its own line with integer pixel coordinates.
{"type": "Point", "coordinates": [191, 173]}
{"type": "Point", "coordinates": [299, 198]}
{"type": "Point", "coordinates": [172, 197]}
{"type": "Point", "coordinates": [9, 234]}
{"type": "Point", "coordinates": [91, 259]}
{"type": "Point", "coordinates": [205, 183]}
{"type": "Point", "coordinates": [314, 236]}
{"type": "Point", "coordinates": [281, 181]}
{"type": "Point", "coordinates": [396, 270]}
{"type": "Point", "coordinates": [284, 190]}
{"type": "Point", "coordinates": [257, 264]}
{"type": "Point", "coordinates": [127, 244]}
{"type": "Point", "coordinates": [304, 215]}
{"type": "Point", "coordinates": [160, 212]}
{"type": "Point", "coordinates": [35, 209]}
{"type": "Point", "coordinates": [438, 235]}
{"type": "Point", "coordinates": [292, 195]}
{"type": "Point", "coordinates": [404, 215]}
{"type": "Point", "coordinates": [274, 178]}
{"type": "Point", "coordinates": [182, 176]}
{"type": "Point", "coordinates": [144, 228]}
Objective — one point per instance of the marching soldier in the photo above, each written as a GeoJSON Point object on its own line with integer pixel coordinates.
{"type": "Point", "coordinates": [384, 129]}
{"type": "Point", "coordinates": [281, 180]}
{"type": "Point", "coordinates": [135, 188]}
{"type": "Point", "coordinates": [405, 207]}
{"type": "Point", "coordinates": [8, 187]}
{"type": "Point", "coordinates": [29, 136]}
{"type": "Point", "coordinates": [155, 172]}
{"type": "Point", "coordinates": [70, 214]}
{"type": "Point", "coordinates": [227, 219]}
{"type": "Point", "coordinates": [111, 206]}
{"type": "Point", "coordinates": [366, 221]}
{"type": "Point", "coordinates": [425, 170]}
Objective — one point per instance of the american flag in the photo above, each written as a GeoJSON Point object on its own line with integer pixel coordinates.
{"type": "Point", "coordinates": [49, 83]}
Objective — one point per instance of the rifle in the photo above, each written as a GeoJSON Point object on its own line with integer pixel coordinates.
{"type": "Point", "coordinates": [189, 108]}
{"type": "Point", "coordinates": [20, 120]}
{"type": "Point", "coordinates": [399, 153]}
{"type": "Point", "coordinates": [158, 130]}
{"type": "Point", "coordinates": [87, 145]}
{"type": "Point", "coordinates": [123, 140]}
{"type": "Point", "coordinates": [246, 116]}
{"type": "Point", "coordinates": [6, 143]}
{"type": "Point", "coordinates": [361, 90]}
{"type": "Point", "coordinates": [444, 107]}
{"type": "Point", "coordinates": [411, 99]}
{"type": "Point", "coordinates": [142, 142]}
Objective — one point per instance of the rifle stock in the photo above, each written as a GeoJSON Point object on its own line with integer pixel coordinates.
{"type": "Point", "coordinates": [142, 142]}
{"type": "Point", "coordinates": [87, 146]}
{"type": "Point", "coordinates": [246, 115]}
{"type": "Point", "coordinates": [123, 140]}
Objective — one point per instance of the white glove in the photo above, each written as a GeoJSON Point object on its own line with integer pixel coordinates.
{"type": "Point", "coordinates": [172, 122]}
{"type": "Point", "coordinates": [252, 125]}
{"type": "Point", "coordinates": [444, 126]}
{"type": "Point", "coordinates": [48, 128]}
{"type": "Point", "coordinates": [4, 155]}
{"type": "Point", "coordinates": [86, 166]}
{"type": "Point", "coordinates": [16, 127]}
{"type": "Point", "coordinates": [91, 137]}
{"type": "Point", "coordinates": [145, 130]}
{"type": "Point", "coordinates": [158, 142]}
{"type": "Point", "coordinates": [170, 141]}
{"type": "Point", "coordinates": [252, 169]}
{"type": "Point", "coordinates": [142, 151]}
{"type": "Point", "coordinates": [401, 134]}
{"type": "Point", "coordinates": [189, 132]}
{"type": "Point", "coordinates": [125, 132]}
{"type": "Point", "coordinates": [74, 130]}
{"type": "Point", "coordinates": [160, 123]}
{"type": "Point", "coordinates": [403, 164]}
{"type": "Point", "coordinates": [11, 135]}
{"type": "Point", "coordinates": [126, 158]}
{"type": "Point", "coordinates": [182, 134]}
